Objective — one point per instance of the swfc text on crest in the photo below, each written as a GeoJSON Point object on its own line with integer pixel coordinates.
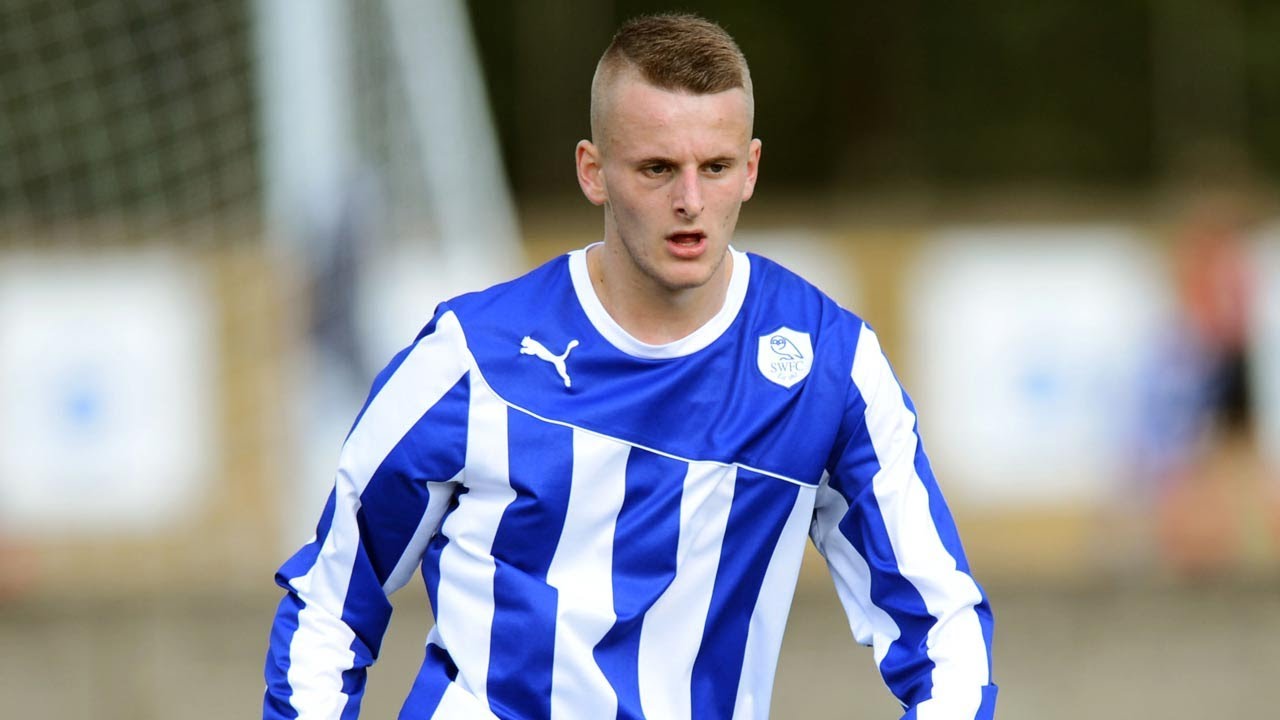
{"type": "Point", "coordinates": [785, 356]}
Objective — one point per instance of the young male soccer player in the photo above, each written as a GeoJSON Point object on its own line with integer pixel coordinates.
{"type": "Point", "coordinates": [607, 468]}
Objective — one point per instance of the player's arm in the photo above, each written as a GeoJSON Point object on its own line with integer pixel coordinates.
{"type": "Point", "coordinates": [396, 476]}
{"type": "Point", "coordinates": [893, 550]}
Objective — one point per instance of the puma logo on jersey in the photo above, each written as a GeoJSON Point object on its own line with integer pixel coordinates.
{"type": "Point", "coordinates": [529, 346]}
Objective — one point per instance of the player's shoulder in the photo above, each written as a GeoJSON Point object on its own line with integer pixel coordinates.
{"type": "Point", "coordinates": [520, 294]}
{"type": "Point", "coordinates": [778, 289]}
{"type": "Point", "coordinates": [784, 309]}
{"type": "Point", "coordinates": [524, 295]}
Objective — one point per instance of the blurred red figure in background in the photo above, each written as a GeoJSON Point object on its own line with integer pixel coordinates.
{"type": "Point", "coordinates": [1198, 515]}
{"type": "Point", "coordinates": [1215, 288]}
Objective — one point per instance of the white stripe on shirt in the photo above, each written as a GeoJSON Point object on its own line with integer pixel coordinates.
{"type": "Point", "coordinates": [769, 617]}
{"type": "Point", "coordinates": [666, 655]}
{"type": "Point", "coordinates": [852, 575]}
{"type": "Point", "coordinates": [320, 649]}
{"type": "Point", "coordinates": [583, 574]}
{"type": "Point", "coordinates": [955, 643]}
{"type": "Point", "coordinates": [464, 597]}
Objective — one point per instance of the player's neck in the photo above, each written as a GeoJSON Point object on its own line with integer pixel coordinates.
{"type": "Point", "coordinates": [649, 312]}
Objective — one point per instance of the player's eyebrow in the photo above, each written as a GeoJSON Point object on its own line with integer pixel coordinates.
{"type": "Point", "coordinates": [659, 160]}
{"type": "Point", "coordinates": [655, 160]}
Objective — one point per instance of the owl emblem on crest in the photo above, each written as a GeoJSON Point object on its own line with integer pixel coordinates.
{"type": "Point", "coordinates": [785, 356]}
{"type": "Point", "coordinates": [785, 349]}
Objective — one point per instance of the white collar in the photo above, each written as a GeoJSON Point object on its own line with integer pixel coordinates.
{"type": "Point", "coordinates": [735, 294]}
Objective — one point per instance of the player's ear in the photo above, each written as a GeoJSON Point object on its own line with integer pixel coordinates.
{"type": "Point", "coordinates": [753, 167]}
{"type": "Point", "coordinates": [591, 172]}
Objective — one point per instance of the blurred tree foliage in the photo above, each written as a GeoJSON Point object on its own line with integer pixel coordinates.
{"type": "Point", "coordinates": [149, 107]}
{"type": "Point", "coordinates": [944, 94]}
{"type": "Point", "coordinates": [1262, 67]}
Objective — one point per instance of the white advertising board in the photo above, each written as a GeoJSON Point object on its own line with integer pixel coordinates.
{"type": "Point", "coordinates": [1027, 345]}
{"type": "Point", "coordinates": [1265, 340]}
{"type": "Point", "coordinates": [107, 387]}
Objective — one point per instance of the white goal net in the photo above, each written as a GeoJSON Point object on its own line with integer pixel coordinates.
{"type": "Point", "coordinates": [124, 120]}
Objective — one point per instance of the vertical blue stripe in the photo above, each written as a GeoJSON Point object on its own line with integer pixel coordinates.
{"type": "Point", "coordinates": [429, 687]}
{"type": "Point", "coordinates": [906, 667]}
{"type": "Point", "coordinates": [987, 710]}
{"type": "Point", "coordinates": [645, 540]}
{"type": "Point", "coordinates": [944, 521]}
{"type": "Point", "coordinates": [353, 682]}
{"type": "Point", "coordinates": [435, 547]}
{"type": "Point", "coordinates": [433, 450]}
{"type": "Point", "coordinates": [367, 614]}
{"type": "Point", "coordinates": [522, 641]}
{"type": "Point", "coordinates": [760, 510]}
{"type": "Point", "coordinates": [938, 510]}
{"type": "Point", "coordinates": [275, 702]}
{"type": "Point", "coordinates": [397, 494]}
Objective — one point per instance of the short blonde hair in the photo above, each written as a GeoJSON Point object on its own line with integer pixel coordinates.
{"type": "Point", "coordinates": [677, 52]}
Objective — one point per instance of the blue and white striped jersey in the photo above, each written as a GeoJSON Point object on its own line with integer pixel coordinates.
{"type": "Point", "coordinates": [610, 529]}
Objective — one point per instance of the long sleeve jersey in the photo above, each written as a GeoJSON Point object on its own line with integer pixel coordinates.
{"type": "Point", "coordinates": [612, 529]}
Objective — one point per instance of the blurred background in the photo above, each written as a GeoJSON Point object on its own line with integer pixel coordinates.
{"type": "Point", "coordinates": [218, 218]}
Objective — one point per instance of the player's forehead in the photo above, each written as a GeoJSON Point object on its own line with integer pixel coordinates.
{"type": "Point", "coordinates": [639, 113]}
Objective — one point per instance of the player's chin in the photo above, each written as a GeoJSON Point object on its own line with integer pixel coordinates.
{"type": "Point", "coordinates": [688, 277]}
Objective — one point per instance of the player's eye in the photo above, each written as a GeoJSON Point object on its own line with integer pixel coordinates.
{"type": "Point", "coordinates": [717, 168]}
{"type": "Point", "coordinates": [656, 170]}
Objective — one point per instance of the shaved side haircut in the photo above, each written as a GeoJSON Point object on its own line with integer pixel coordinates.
{"type": "Point", "coordinates": [674, 52]}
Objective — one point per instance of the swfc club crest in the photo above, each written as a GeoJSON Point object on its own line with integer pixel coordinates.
{"type": "Point", "coordinates": [785, 356]}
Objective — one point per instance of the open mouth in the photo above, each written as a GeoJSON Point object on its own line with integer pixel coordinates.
{"type": "Point", "coordinates": [686, 239]}
{"type": "Point", "coordinates": [686, 245]}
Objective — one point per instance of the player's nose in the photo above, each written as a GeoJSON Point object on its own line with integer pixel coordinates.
{"type": "Point", "coordinates": [687, 194]}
